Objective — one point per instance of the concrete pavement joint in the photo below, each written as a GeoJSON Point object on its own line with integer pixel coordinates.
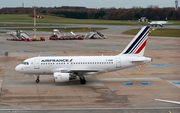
{"type": "Point", "coordinates": [62, 109]}
{"type": "Point", "coordinates": [15, 106]}
{"type": "Point", "coordinates": [79, 96]}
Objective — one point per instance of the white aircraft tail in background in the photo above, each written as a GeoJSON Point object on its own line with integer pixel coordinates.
{"type": "Point", "coordinates": [65, 68]}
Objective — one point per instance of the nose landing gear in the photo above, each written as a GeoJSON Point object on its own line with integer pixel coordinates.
{"type": "Point", "coordinates": [37, 80]}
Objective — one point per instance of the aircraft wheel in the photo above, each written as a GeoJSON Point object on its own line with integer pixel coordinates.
{"type": "Point", "coordinates": [83, 81]}
{"type": "Point", "coordinates": [37, 81]}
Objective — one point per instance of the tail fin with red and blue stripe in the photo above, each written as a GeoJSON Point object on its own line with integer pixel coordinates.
{"type": "Point", "coordinates": [166, 19]}
{"type": "Point", "coordinates": [138, 43]}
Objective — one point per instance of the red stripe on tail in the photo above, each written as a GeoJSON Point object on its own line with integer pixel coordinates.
{"type": "Point", "coordinates": [142, 46]}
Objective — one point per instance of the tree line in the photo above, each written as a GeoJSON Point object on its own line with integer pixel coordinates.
{"type": "Point", "coordinates": [134, 13]}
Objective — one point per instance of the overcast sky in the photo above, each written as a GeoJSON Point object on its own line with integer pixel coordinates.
{"type": "Point", "coordinates": [87, 3]}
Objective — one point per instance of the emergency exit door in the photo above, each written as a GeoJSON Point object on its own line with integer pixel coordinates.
{"type": "Point", "coordinates": [36, 64]}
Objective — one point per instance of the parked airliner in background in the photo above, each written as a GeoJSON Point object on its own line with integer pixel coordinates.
{"type": "Point", "coordinates": [160, 23]}
{"type": "Point", "coordinates": [65, 68]}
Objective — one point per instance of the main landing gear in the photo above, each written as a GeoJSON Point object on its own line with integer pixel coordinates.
{"type": "Point", "coordinates": [82, 79]}
{"type": "Point", "coordinates": [37, 80]}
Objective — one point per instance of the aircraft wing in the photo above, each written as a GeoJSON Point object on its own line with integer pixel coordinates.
{"type": "Point", "coordinates": [82, 70]}
{"type": "Point", "coordinates": [69, 70]}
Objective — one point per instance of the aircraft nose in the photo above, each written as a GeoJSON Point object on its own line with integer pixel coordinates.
{"type": "Point", "coordinates": [17, 68]}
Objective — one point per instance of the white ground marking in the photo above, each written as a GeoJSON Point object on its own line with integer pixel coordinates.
{"type": "Point", "coordinates": [174, 102]}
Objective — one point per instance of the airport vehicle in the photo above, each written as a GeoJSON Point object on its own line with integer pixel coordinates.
{"type": "Point", "coordinates": [64, 36]}
{"type": "Point", "coordinates": [20, 35]}
{"type": "Point", "coordinates": [65, 68]}
{"type": "Point", "coordinates": [160, 23]}
{"type": "Point", "coordinates": [94, 35]}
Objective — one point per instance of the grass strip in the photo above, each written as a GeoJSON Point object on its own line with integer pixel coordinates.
{"type": "Point", "coordinates": [157, 32]}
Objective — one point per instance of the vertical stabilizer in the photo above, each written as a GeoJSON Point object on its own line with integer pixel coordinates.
{"type": "Point", "coordinates": [138, 43]}
{"type": "Point", "coordinates": [166, 19]}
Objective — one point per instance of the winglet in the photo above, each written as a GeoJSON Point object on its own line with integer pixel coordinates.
{"type": "Point", "coordinates": [138, 43]}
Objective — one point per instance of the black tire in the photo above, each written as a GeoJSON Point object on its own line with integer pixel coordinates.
{"type": "Point", "coordinates": [37, 81]}
{"type": "Point", "coordinates": [83, 81]}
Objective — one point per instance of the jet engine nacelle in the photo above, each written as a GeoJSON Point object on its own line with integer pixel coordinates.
{"type": "Point", "coordinates": [61, 77]}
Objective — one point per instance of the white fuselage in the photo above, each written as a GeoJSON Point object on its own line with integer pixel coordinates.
{"type": "Point", "coordinates": [49, 65]}
{"type": "Point", "coordinates": [158, 23]}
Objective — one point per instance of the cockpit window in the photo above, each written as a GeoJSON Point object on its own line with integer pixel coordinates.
{"type": "Point", "coordinates": [25, 63]}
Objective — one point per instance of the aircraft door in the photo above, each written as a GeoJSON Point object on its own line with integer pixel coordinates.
{"type": "Point", "coordinates": [36, 64]}
{"type": "Point", "coordinates": [118, 63]}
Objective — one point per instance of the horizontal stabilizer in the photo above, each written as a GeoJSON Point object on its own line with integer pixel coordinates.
{"type": "Point", "coordinates": [144, 59]}
{"type": "Point", "coordinates": [138, 60]}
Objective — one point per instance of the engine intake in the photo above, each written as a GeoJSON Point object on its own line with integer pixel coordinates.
{"type": "Point", "coordinates": [61, 77]}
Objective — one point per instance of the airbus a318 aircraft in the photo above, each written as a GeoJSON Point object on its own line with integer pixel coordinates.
{"type": "Point", "coordinates": [65, 68]}
{"type": "Point", "coordinates": [160, 23]}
